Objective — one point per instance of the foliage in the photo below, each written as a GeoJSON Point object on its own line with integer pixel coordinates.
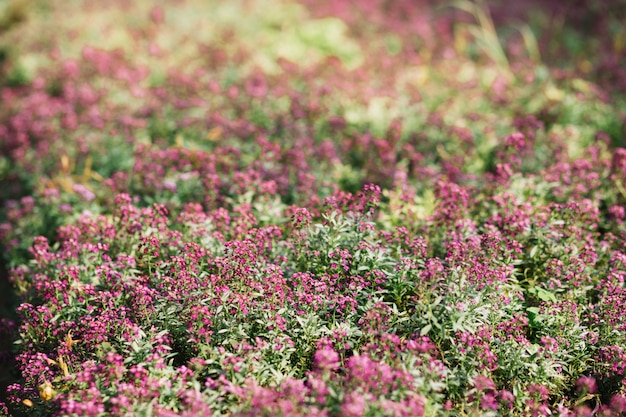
{"type": "Point", "coordinates": [419, 220]}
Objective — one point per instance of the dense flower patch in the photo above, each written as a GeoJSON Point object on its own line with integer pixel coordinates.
{"type": "Point", "coordinates": [308, 216]}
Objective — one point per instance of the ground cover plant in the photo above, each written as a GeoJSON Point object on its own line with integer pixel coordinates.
{"type": "Point", "coordinates": [327, 208]}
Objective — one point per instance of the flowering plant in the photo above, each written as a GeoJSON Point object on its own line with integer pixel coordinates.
{"type": "Point", "coordinates": [402, 225]}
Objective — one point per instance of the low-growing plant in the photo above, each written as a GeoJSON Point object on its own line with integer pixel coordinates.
{"type": "Point", "coordinates": [390, 228]}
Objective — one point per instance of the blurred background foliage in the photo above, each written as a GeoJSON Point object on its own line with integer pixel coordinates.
{"type": "Point", "coordinates": [574, 52]}
{"type": "Point", "coordinates": [584, 36]}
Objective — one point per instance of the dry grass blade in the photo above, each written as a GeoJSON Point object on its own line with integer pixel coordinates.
{"type": "Point", "coordinates": [485, 34]}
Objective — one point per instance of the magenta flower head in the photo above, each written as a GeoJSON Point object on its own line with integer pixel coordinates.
{"type": "Point", "coordinates": [618, 403]}
{"type": "Point", "coordinates": [489, 401]}
{"type": "Point", "coordinates": [354, 405]}
{"type": "Point", "coordinates": [587, 385]}
{"type": "Point", "coordinates": [506, 398]}
{"type": "Point", "coordinates": [484, 383]}
{"type": "Point", "coordinates": [326, 359]}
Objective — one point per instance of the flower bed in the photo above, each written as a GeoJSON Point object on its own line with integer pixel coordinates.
{"type": "Point", "coordinates": [289, 213]}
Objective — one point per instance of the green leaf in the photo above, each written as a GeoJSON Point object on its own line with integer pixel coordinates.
{"type": "Point", "coordinates": [542, 294]}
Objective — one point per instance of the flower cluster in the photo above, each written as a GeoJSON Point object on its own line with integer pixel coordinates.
{"type": "Point", "coordinates": [304, 215]}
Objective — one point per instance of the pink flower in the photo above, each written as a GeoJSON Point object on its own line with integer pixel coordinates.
{"type": "Point", "coordinates": [326, 359]}
{"type": "Point", "coordinates": [507, 398]}
{"type": "Point", "coordinates": [587, 384]}
{"type": "Point", "coordinates": [354, 405]}
{"type": "Point", "coordinates": [489, 402]}
{"type": "Point", "coordinates": [157, 15]}
{"type": "Point", "coordinates": [484, 383]}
